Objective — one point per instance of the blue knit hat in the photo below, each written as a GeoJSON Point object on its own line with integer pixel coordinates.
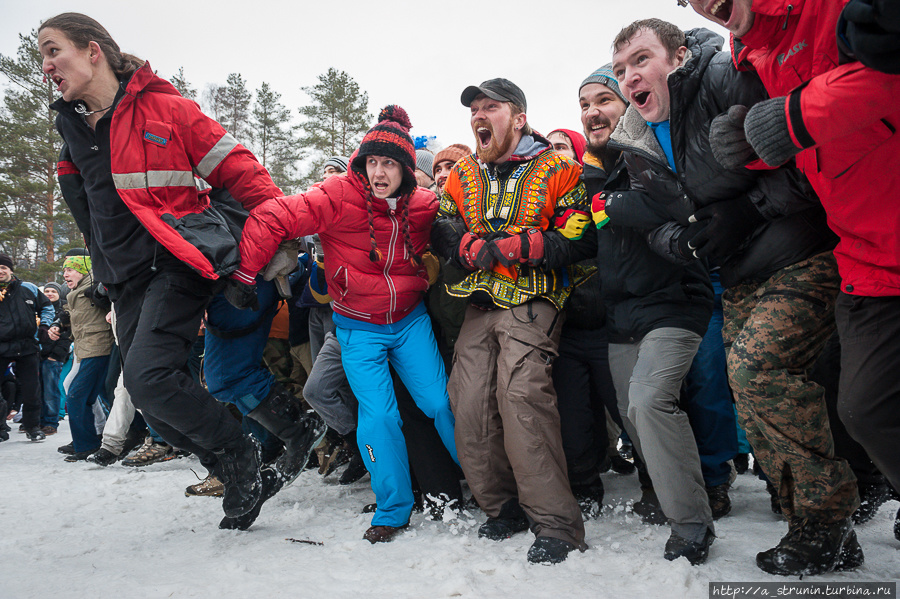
{"type": "Point", "coordinates": [604, 75]}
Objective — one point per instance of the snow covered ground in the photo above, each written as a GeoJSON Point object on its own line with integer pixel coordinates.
{"type": "Point", "coordinates": [81, 531]}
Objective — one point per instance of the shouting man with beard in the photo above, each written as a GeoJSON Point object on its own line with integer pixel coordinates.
{"type": "Point", "coordinates": [514, 216]}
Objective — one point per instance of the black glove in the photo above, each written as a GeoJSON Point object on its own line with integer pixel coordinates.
{"type": "Point", "coordinates": [686, 245]}
{"type": "Point", "coordinates": [241, 295]}
{"type": "Point", "coordinates": [726, 225]}
{"type": "Point", "coordinates": [727, 138]}
{"type": "Point", "coordinates": [871, 30]}
{"type": "Point", "coordinates": [766, 127]}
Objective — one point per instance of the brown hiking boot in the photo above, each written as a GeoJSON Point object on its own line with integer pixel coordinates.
{"type": "Point", "coordinates": [383, 534]}
{"type": "Point", "coordinates": [48, 430]}
{"type": "Point", "coordinates": [208, 487]}
{"type": "Point", "coordinates": [150, 452]}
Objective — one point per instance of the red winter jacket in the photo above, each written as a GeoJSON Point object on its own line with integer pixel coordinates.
{"type": "Point", "coordinates": [159, 141]}
{"type": "Point", "coordinates": [379, 292]}
{"type": "Point", "coordinates": [850, 115]}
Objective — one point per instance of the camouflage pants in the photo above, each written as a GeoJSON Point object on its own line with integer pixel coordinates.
{"type": "Point", "coordinates": [774, 331]}
{"type": "Point", "coordinates": [279, 358]}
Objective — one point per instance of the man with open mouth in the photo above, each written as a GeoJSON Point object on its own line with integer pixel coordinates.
{"type": "Point", "coordinates": [513, 215]}
{"type": "Point", "coordinates": [837, 119]}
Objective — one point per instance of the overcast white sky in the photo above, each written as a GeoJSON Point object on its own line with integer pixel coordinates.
{"type": "Point", "coordinates": [420, 55]}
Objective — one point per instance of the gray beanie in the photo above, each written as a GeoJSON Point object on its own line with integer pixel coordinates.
{"type": "Point", "coordinates": [424, 162]}
{"type": "Point", "coordinates": [604, 75]}
{"type": "Point", "coordinates": [338, 162]}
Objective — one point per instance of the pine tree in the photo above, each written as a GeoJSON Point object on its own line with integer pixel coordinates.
{"type": "Point", "coordinates": [182, 85]}
{"type": "Point", "coordinates": [214, 101]}
{"type": "Point", "coordinates": [34, 223]}
{"type": "Point", "coordinates": [336, 118]}
{"type": "Point", "coordinates": [273, 138]}
{"type": "Point", "coordinates": [235, 99]}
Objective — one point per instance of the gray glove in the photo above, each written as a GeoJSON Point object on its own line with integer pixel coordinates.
{"type": "Point", "coordinates": [767, 131]}
{"type": "Point", "coordinates": [727, 138]}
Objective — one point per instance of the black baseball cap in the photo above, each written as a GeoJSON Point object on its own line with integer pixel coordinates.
{"type": "Point", "coordinates": [500, 89]}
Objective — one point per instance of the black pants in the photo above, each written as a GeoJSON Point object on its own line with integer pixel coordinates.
{"type": "Point", "coordinates": [869, 395]}
{"type": "Point", "coordinates": [584, 391]}
{"type": "Point", "coordinates": [827, 372]}
{"type": "Point", "coordinates": [28, 387]}
{"type": "Point", "coordinates": [157, 318]}
{"type": "Point", "coordinates": [433, 470]}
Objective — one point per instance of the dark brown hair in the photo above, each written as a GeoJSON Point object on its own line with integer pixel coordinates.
{"type": "Point", "coordinates": [671, 36]}
{"type": "Point", "coordinates": [82, 30]}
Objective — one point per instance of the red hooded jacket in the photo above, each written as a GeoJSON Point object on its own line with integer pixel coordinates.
{"type": "Point", "coordinates": [848, 116]}
{"type": "Point", "coordinates": [379, 292]}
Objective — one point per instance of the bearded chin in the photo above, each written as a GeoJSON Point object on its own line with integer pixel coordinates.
{"type": "Point", "coordinates": [496, 148]}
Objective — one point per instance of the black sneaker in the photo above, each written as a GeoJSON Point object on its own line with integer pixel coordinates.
{"type": "Point", "coordinates": [648, 508]}
{"type": "Point", "coordinates": [695, 552]}
{"type": "Point", "coordinates": [871, 497]}
{"type": "Point", "coordinates": [812, 547]}
{"type": "Point", "coordinates": [103, 457]}
{"type": "Point", "coordinates": [271, 484]}
{"type": "Point", "coordinates": [35, 434]}
{"type": "Point", "coordinates": [238, 469]}
{"type": "Point", "coordinates": [620, 465]}
{"type": "Point", "coordinates": [511, 520]}
{"type": "Point", "coordinates": [549, 550]}
{"type": "Point", "coordinates": [80, 456]}
{"type": "Point", "coordinates": [67, 449]}
{"type": "Point", "coordinates": [719, 501]}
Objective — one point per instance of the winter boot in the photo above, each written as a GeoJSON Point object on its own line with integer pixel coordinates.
{"type": "Point", "coordinates": [695, 552]}
{"type": "Point", "coordinates": [741, 463]}
{"type": "Point", "coordinates": [648, 508]}
{"type": "Point", "coordinates": [588, 490]}
{"type": "Point", "coordinates": [871, 496]}
{"type": "Point", "coordinates": [280, 414]}
{"type": "Point", "coordinates": [620, 465]}
{"type": "Point", "coordinates": [67, 449]}
{"type": "Point", "coordinates": [383, 534]}
{"type": "Point", "coordinates": [812, 547]}
{"type": "Point", "coordinates": [238, 469]}
{"type": "Point", "coordinates": [79, 456]}
{"type": "Point", "coordinates": [549, 550]}
{"type": "Point", "coordinates": [103, 457]}
{"type": "Point", "coordinates": [509, 521]}
{"type": "Point", "coordinates": [356, 468]}
{"type": "Point", "coordinates": [35, 434]}
{"type": "Point", "coordinates": [208, 487]}
{"type": "Point", "coordinates": [271, 484]}
{"type": "Point", "coordinates": [331, 453]}
{"type": "Point", "coordinates": [719, 501]}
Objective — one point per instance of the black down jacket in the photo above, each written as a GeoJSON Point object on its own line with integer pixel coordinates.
{"type": "Point", "coordinates": [705, 86]}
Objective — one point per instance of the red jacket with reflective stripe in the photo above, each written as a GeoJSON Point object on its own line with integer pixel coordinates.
{"type": "Point", "coordinates": [379, 292]}
{"type": "Point", "coordinates": [158, 141]}
{"type": "Point", "coordinates": [850, 113]}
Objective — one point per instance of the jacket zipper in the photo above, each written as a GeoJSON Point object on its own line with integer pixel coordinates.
{"type": "Point", "coordinates": [389, 259]}
{"type": "Point", "coordinates": [790, 7]}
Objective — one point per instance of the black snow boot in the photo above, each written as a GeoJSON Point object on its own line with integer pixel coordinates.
{"type": "Point", "coordinates": [271, 484]}
{"type": "Point", "coordinates": [719, 501]}
{"type": "Point", "coordinates": [238, 469]}
{"type": "Point", "coordinates": [509, 521]}
{"type": "Point", "coordinates": [35, 434]}
{"type": "Point", "coordinates": [812, 547]}
{"type": "Point", "coordinates": [649, 509]}
{"type": "Point", "coordinates": [549, 550]}
{"type": "Point", "coordinates": [356, 468]}
{"type": "Point", "coordinates": [695, 552]}
{"type": "Point", "coordinates": [281, 415]}
{"type": "Point", "coordinates": [871, 497]}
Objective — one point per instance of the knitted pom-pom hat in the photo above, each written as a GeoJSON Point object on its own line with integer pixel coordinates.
{"type": "Point", "coordinates": [390, 137]}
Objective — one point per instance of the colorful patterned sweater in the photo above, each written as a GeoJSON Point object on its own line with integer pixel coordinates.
{"type": "Point", "coordinates": [533, 192]}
